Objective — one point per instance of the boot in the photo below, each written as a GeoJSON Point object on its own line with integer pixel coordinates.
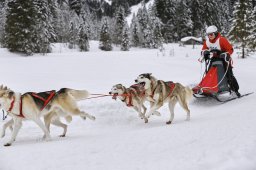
{"type": "Point", "coordinates": [238, 94]}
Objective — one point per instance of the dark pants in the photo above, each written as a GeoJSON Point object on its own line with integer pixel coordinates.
{"type": "Point", "coordinates": [232, 82]}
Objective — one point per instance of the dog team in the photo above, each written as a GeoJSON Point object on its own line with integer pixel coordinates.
{"type": "Point", "coordinates": [52, 105]}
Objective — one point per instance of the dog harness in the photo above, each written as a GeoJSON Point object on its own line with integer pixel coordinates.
{"type": "Point", "coordinates": [170, 84]}
{"type": "Point", "coordinates": [12, 105]}
{"type": "Point", "coordinates": [135, 88]}
{"type": "Point", "coordinates": [41, 99]}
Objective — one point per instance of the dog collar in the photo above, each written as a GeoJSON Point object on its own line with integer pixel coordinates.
{"type": "Point", "coordinates": [12, 105]}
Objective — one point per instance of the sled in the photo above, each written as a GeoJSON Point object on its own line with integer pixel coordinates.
{"type": "Point", "coordinates": [214, 83]}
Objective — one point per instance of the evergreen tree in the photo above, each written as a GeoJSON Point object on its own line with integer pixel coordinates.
{"type": "Point", "coordinates": [125, 45]}
{"type": "Point", "coordinates": [105, 39]}
{"type": "Point", "coordinates": [83, 40]}
{"type": "Point", "coordinates": [252, 30]}
{"type": "Point", "coordinates": [74, 29]}
{"type": "Point", "coordinates": [20, 26]}
{"type": "Point", "coordinates": [145, 27]}
{"type": "Point", "coordinates": [239, 31]}
{"type": "Point", "coordinates": [182, 25]}
{"type": "Point", "coordinates": [62, 29]}
{"type": "Point", "coordinates": [157, 35]}
{"type": "Point", "coordinates": [2, 22]}
{"type": "Point", "coordinates": [44, 31]}
{"type": "Point", "coordinates": [135, 32]}
{"type": "Point", "coordinates": [75, 5]}
{"type": "Point", "coordinates": [119, 26]}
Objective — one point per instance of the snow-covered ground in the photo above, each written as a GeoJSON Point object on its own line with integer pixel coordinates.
{"type": "Point", "coordinates": [218, 137]}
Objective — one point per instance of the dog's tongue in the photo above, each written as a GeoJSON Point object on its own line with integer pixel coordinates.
{"type": "Point", "coordinates": [114, 96]}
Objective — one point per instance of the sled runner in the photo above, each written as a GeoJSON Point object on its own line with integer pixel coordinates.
{"type": "Point", "coordinates": [215, 80]}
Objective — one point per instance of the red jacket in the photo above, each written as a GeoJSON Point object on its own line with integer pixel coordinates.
{"type": "Point", "coordinates": [221, 42]}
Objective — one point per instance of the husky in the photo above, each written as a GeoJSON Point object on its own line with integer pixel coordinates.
{"type": "Point", "coordinates": [51, 118]}
{"type": "Point", "coordinates": [32, 106]}
{"type": "Point", "coordinates": [158, 92]}
{"type": "Point", "coordinates": [132, 97]}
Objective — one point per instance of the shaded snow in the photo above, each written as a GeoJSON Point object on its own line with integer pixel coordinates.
{"type": "Point", "coordinates": [218, 137]}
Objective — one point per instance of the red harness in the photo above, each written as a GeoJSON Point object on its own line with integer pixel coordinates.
{"type": "Point", "coordinates": [12, 105]}
{"type": "Point", "coordinates": [171, 85]}
{"type": "Point", "coordinates": [46, 101]}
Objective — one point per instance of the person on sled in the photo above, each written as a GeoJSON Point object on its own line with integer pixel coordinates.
{"type": "Point", "coordinates": [223, 50]}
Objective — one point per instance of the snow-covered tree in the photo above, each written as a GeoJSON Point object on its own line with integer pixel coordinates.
{"type": "Point", "coordinates": [125, 45]}
{"type": "Point", "coordinates": [44, 31]}
{"type": "Point", "coordinates": [20, 26]}
{"type": "Point", "coordinates": [2, 22]}
{"type": "Point", "coordinates": [83, 40]}
{"type": "Point", "coordinates": [119, 26]}
{"type": "Point", "coordinates": [135, 32]}
{"type": "Point", "coordinates": [182, 23]}
{"type": "Point", "coordinates": [252, 30]}
{"type": "Point", "coordinates": [105, 39]}
{"type": "Point", "coordinates": [239, 31]}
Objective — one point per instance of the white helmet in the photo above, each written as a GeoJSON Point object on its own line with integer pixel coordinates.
{"type": "Point", "coordinates": [211, 29]}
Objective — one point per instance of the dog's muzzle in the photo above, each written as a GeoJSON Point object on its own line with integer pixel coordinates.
{"type": "Point", "coordinates": [142, 84]}
{"type": "Point", "coordinates": [114, 95]}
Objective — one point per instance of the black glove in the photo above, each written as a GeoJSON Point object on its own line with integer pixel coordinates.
{"type": "Point", "coordinates": [225, 56]}
{"type": "Point", "coordinates": [206, 54]}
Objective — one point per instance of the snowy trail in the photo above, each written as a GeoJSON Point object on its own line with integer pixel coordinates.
{"type": "Point", "coordinates": [218, 137]}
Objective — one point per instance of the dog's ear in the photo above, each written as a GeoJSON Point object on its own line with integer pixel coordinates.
{"type": "Point", "coordinates": [10, 94]}
{"type": "Point", "coordinates": [148, 75]}
{"type": "Point", "coordinates": [119, 86]}
{"type": "Point", "coordinates": [5, 88]}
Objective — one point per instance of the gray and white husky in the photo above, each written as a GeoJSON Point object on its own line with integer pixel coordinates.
{"type": "Point", "coordinates": [132, 97]}
{"type": "Point", "coordinates": [158, 92]}
{"type": "Point", "coordinates": [28, 107]}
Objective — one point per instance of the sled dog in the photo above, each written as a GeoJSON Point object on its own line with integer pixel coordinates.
{"type": "Point", "coordinates": [132, 97]}
{"type": "Point", "coordinates": [28, 107]}
{"type": "Point", "coordinates": [158, 92]}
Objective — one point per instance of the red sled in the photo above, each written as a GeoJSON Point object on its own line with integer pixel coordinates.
{"type": "Point", "coordinates": [214, 80]}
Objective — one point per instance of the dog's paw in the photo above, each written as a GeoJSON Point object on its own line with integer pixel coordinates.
{"type": "Point", "coordinates": [62, 136]}
{"type": "Point", "coordinates": [145, 120]}
{"type": "Point", "coordinates": [92, 118]}
{"type": "Point", "coordinates": [83, 117]}
{"type": "Point", "coordinates": [169, 122]}
{"type": "Point", "coordinates": [7, 144]}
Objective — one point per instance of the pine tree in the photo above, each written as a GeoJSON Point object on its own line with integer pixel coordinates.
{"type": "Point", "coordinates": [125, 45]}
{"type": "Point", "coordinates": [239, 29]}
{"type": "Point", "coordinates": [145, 27]}
{"type": "Point", "coordinates": [252, 30]}
{"type": "Point", "coordinates": [105, 39]}
{"type": "Point", "coordinates": [183, 25]}
{"type": "Point", "coordinates": [2, 22]}
{"type": "Point", "coordinates": [44, 31]}
{"type": "Point", "coordinates": [83, 40]}
{"type": "Point", "coordinates": [135, 32]}
{"type": "Point", "coordinates": [118, 26]}
{"type": "Point", "coordinates": [157, 35]}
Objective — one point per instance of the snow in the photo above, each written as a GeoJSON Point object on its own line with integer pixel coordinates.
{"type": "Point", "coordinates": [184, 39]}
{"type": "Point", "coordinates": [135, 8]}
{"type": "Point", "coordinates": [218, 136]}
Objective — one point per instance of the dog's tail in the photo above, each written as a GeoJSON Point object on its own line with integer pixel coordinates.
{"type": "Point", "coordinates": [78, 94]}
{"type": "Point", "coordinates": [189, 93]}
